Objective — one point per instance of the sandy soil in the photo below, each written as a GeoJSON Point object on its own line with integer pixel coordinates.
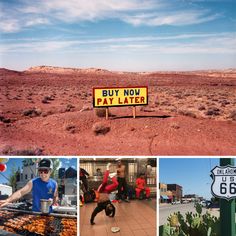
{"type": "Point", "coordinates": [48, 111]}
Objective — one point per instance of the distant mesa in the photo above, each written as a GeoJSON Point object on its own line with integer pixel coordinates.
{"type": "Point", "coordinates": [4, 71]}
{"type": "Point", "coordinates": [65, 70]}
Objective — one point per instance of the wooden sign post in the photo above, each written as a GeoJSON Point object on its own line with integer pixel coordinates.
{"type": "Point", "coordinates": [105, 97]}
{"type": "Point", "coordinates": [107, 113]}
{"type": "Point", "coordinates": [134, 111]}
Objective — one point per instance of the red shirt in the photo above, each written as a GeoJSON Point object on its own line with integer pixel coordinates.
{"type": "Point", "coordinates": [140, 183]}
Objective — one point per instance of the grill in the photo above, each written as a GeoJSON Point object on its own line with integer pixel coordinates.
{"type": "Point", "coordinates": [28, 223]}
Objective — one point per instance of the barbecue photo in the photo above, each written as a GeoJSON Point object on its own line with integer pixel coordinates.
{"type": "Point", "coordinates": [117, 195]}
{"type": "Point", "coordinates": [38, 196]}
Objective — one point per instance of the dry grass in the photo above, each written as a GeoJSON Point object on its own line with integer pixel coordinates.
{"type": "Point", "coordinates": [201, 102]}
{"type": "Point", "coordinates": [100, 128]}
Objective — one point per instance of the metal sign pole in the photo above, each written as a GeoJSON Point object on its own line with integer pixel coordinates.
{"type": "Point", "coordinates": [227, 208]}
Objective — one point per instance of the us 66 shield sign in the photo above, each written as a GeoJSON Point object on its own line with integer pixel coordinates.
{"type": "Point", "coordinates": [224, 182]}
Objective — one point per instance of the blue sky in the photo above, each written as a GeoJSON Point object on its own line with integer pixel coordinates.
{"type": "Point", "coordinates": [17, 162]}
{"type": "Point", "coordinates": [193, 174]}
{"type": "Point", "coordinates": [128, 35]}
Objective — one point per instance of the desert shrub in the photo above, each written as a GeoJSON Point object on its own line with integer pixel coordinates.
{"type": "Point", "coordinates": [10, 151]}
{"type": "Point", "coordinates": [69, 107]}
{"type": "Point", "coordinates": [187, 113]}
{"type": "Point", "coordinates": [201, 108]}
{"type": "Point", "coordinates": [86, 108]}
{"type": "Point", "coordinates": [48, 113]}
{"type": "Point", "coordinates": [32, 112]}
{"type": "Point", "coordinates": [175, 125]}
{"type": "Point", "coordinates": [4, 119]}
{"type": "Point", "coordinates": [100, 128]}
{"type": "Point", "coordinates": [70, 128]}
{"type": "Point", "coordinates": [233, 115]}
{"type": "Point", "coordinates": [46, 99]}
{"type": "Point", "coordinates": [225, 102]}
{"type": "Point", "coordinates": [212, 111]}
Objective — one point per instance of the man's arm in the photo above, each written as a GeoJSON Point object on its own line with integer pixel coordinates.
{"type": "Point", "coordinates": [18, 194]}
{"type": "Point", "coordinates": [55, 197]}
{"type": "Point", "coordinates": [84, 172]}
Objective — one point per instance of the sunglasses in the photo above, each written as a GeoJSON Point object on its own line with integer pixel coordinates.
{"type": "Point", "coordinates": [45, 171]}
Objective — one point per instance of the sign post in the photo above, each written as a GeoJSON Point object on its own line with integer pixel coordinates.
{"type": "Point", "coordinates": [107, 113]}
{"type": "Point", "coordinates": [224, 188]}
{"type": "Point", "coordinates": [227, 208]}
{"type": "Point", "coordinates": [134, 111]}
{"type": "Point", "coordinates": [105, 97]}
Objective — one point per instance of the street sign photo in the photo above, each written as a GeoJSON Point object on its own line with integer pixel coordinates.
{"type": "Point", "coordinates": [224, 182]}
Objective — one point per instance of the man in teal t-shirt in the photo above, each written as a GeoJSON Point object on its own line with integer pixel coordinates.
{"type": "Point", "coordinates": [42, 187]}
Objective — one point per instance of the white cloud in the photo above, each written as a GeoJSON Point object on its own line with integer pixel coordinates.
{"type": "Point", "coordinates": [180, 43]}
{"type": "Point", "coordinates": [171, 18]}
{"type": "Point", "coordinates": [134, 12]}
{"type": "Point", "coordinates": [9, 26]}
{"type": "Point", "coordinates": [36, 21]}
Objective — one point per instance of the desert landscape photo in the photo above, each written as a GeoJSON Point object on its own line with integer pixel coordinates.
{"type": "Point", "coordinates": [50, 110]}
{"type": "Point", "coordinates": [54, 53]}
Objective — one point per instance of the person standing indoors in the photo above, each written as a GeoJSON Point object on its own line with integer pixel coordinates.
{"type": "Point", "coordinates": [122, 185]}
{"type": "Point", "coordinates": [82, 176]}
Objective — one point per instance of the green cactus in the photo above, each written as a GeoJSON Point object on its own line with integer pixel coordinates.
{"type": "Point", "coordinates": [192, 224]}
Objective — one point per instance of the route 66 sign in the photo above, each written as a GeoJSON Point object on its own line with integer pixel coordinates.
{"type": "Point", "coordinates": [224, 182]}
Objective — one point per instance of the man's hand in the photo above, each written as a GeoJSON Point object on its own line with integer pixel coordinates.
{"type": "Point", "coordinates": [3, 203]}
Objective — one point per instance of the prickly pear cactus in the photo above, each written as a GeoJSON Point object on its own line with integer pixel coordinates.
{"type": "Point", "coordinates": [193, 224]}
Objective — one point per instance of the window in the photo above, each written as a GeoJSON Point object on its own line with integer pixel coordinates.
{"type": "Point", "coordinates": [32, 176]}
{"type": "Point", "coordinates": [26, 176]}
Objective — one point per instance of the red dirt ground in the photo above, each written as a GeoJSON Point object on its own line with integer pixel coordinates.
{"type": "Point", "coordinates": [49, 111]}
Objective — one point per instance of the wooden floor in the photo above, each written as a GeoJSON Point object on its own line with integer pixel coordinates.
{"type": "Point", "coordinates": [137, 218]}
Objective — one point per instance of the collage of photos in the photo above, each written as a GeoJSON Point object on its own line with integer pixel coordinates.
{"type": "Point", "coordinates": [143, 196]}
{"type": "Point", "coordinates": [118, 117]}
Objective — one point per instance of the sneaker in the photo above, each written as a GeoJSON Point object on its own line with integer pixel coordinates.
{"type": "Point", "coordinates": [111, 175]}
{"type": "Point", "coordinates": [148, 199]}
{"type": "Point", "coordinates": [108, 166]}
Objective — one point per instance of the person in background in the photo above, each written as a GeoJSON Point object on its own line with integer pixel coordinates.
{"type": "Point", "coordinates": [122, 187]}
{"type": "Point", "coordinates": [104, 190]}
{"type": "Point", "coordinates": [82, 176]}
{"type": "Point", "coordinates": [42, 187]}
{"type": "Point", "coordinates": [142, 186]}
{"type": "Point", "coordinates": [98, 172]}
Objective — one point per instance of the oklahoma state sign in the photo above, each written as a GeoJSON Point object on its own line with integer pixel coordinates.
{"type": "Point", "coordinates": [120, 96]}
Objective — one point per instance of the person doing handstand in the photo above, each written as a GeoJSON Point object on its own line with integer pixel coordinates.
{"type": "Point", "coordinates": [104, 202]}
